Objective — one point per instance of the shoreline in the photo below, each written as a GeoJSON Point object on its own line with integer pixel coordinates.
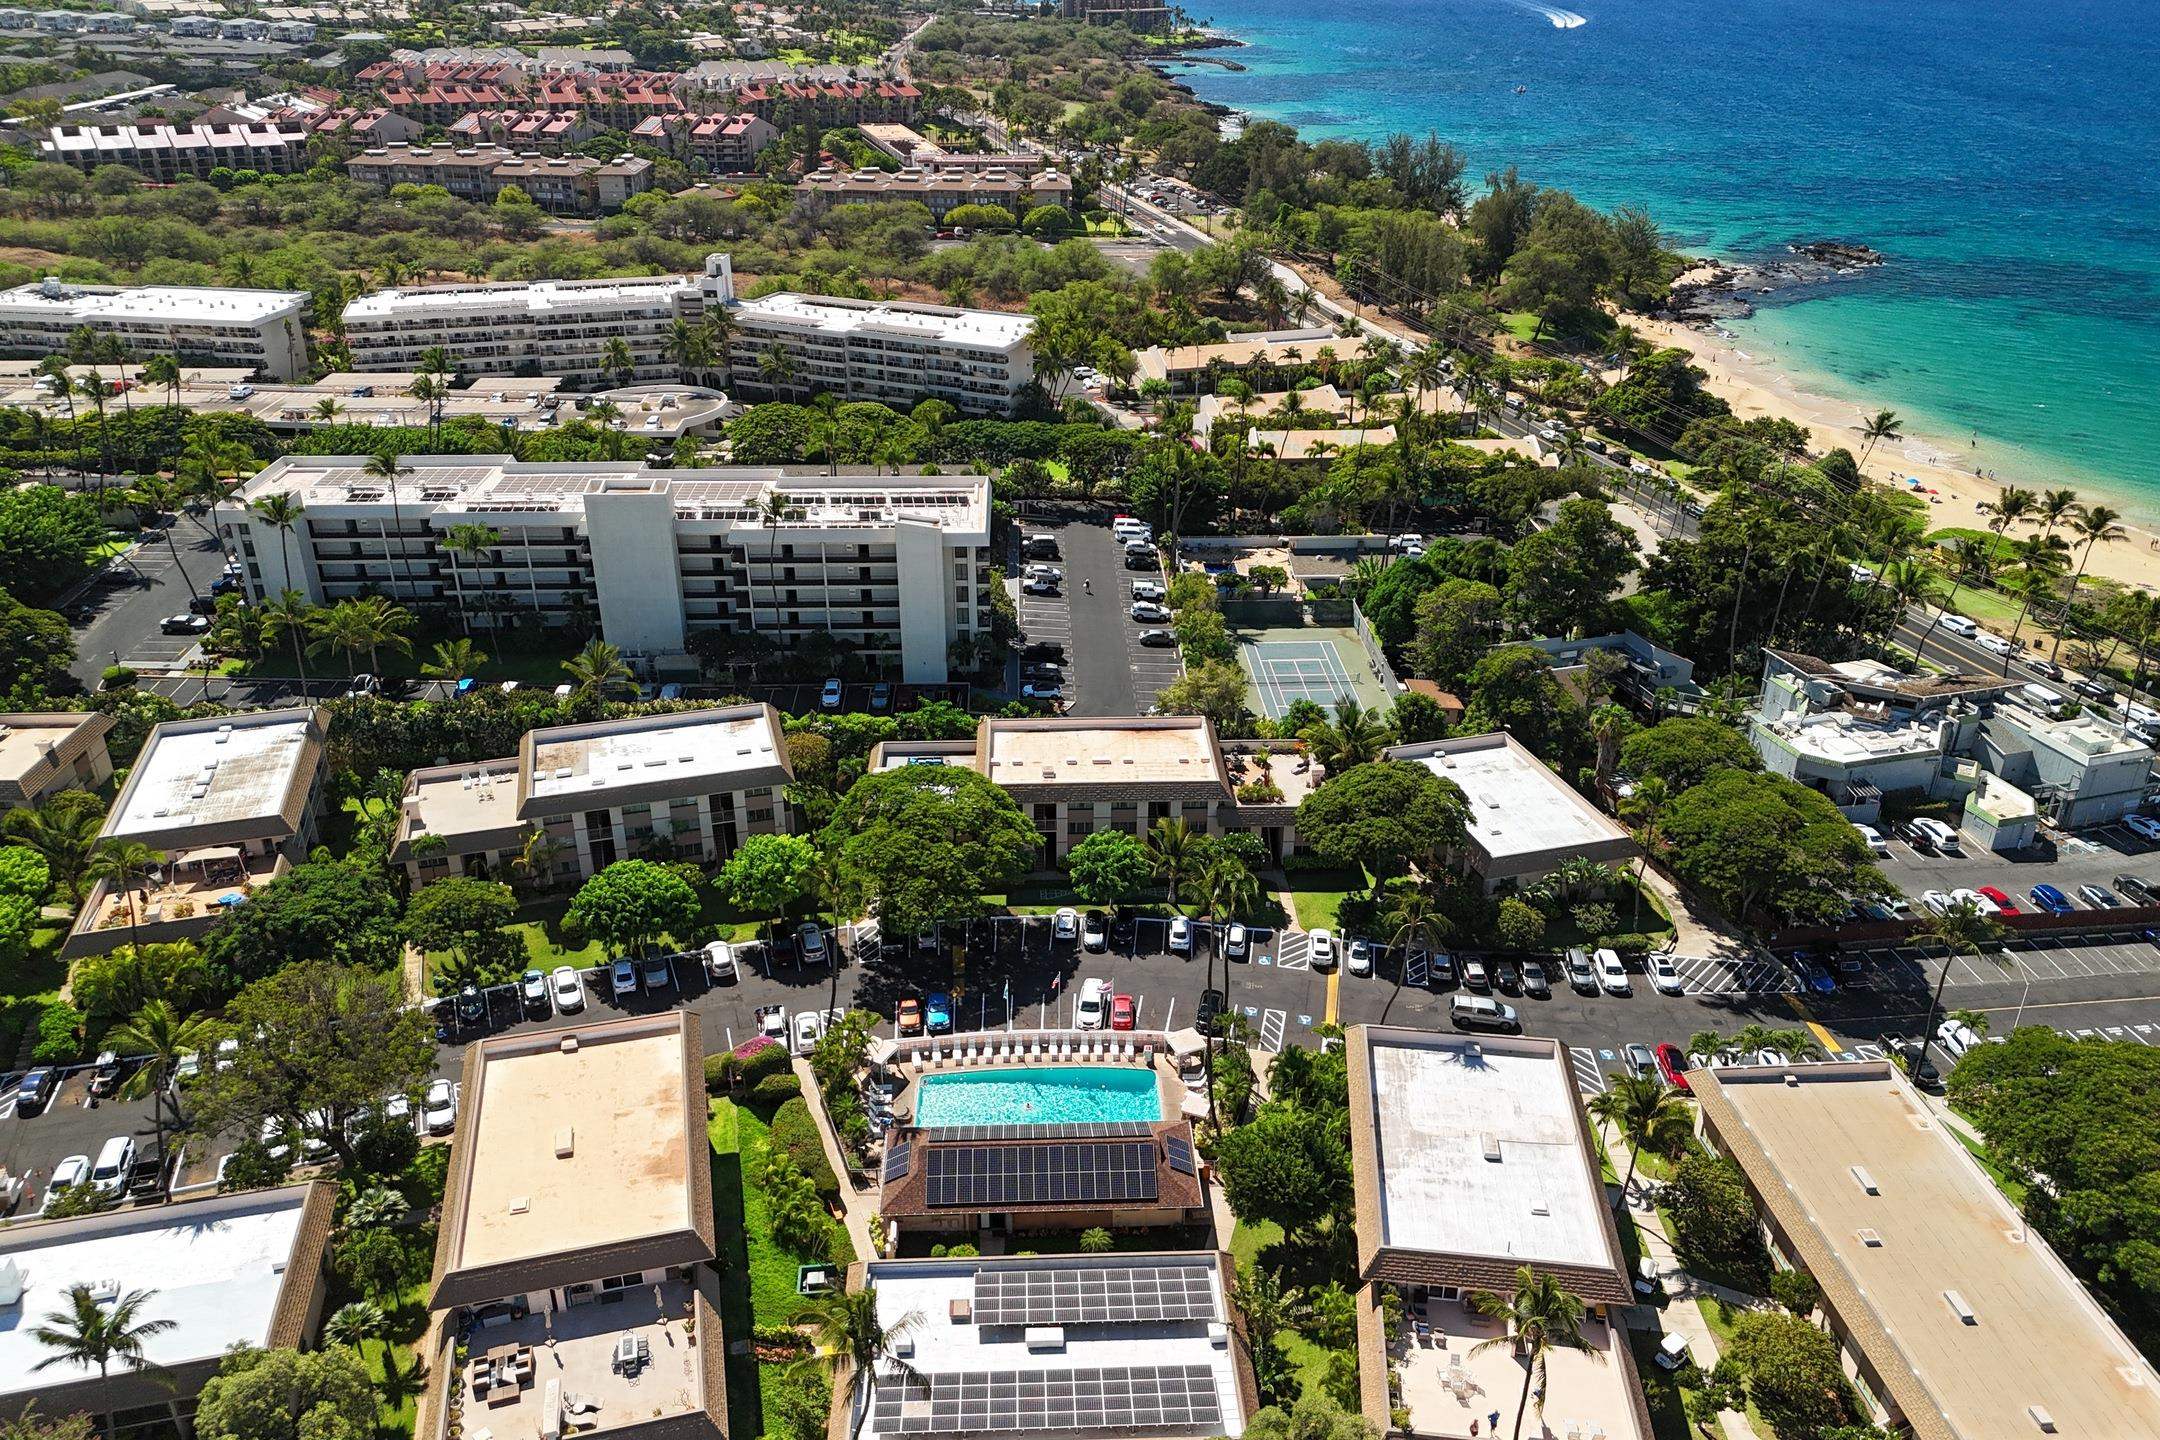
{"type": "Point", "coordinates": [1753, 387]}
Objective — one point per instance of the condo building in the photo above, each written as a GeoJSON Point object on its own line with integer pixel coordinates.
{"type": "Point", "coordinates": [941, 187]}
{"type": "Point", "coordinates": [165, 153]}
{"type": "Point", "coordinates": [892, 351]}
{"type": "Point", "coordinates": [561, 184]}
{"type": "Point", "coordinates": [262, 330]}
{"type": "Point", "coordinates": [897, 566]}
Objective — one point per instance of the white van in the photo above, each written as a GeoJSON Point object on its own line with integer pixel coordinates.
{"type": "Point", "coordinates": [1125, 527]}
{"type": "Point", "coordinates": [109, 1175]}
{"type": "Point", "coordinates": [1955, 1037]}
{"type": "Point", "coordinates": [2046, 700]}
{"type": "Point", "coordinates": [1961, 625]}
{"type": "Point", "coordinates": [1093, 1010]}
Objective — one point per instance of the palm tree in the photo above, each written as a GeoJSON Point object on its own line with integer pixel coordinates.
{"type": "Point", "coordinates": [433, 391]}
{"type": "Point", "coordinates": [536, 857]}
{"type": "Point", "coordinates": [454, 660]}
{"type": "Point", "coordinates": [161, 1032]}
{"type": "Point", "coordinates": [1172, 852]}
{"type": "Point", "coordinates": [354, 1322]}
{"type": "Point", "coordinates": [856, 1343]}
{"type": "Point", "coordinates": [164, 372]}
{"type": "Point", "coordinates": [1648, 1113]}
{"type": "Point", "coordinates": [1540, 1317]}
{"type": "Point", "coordinates": [367, 622]}
{"type": "Point", "coordinates": [288, 613]}
{"type": "Point", "coordinates": [1645, 809]}
{"type": "Point", "coordinates": [688, 346]}
{"type": "Point", "coordinates": [1354, 736]}
{"type": "Point", "coordinates": [2012, 504]}
{"type": "Point", "coordinates": [467, 543]}
{"type": "Point", "coordinates": [89, 1333]}
{"type": "Point", "coordinates": [1908, 581]}
{"type": "Point", "coordinates": [2093, 525]}
{"type": "Point", "coordinates": [1608, 723]}
{"type": "Point", "coordinates": [595, 670]}
{"type": "Point", "coordinates": [65, 831]}
{"type": "Point", "coordinates": [386, 467]}
{"type": "Point", "coordinates": [2040, 559]}
{"type": "Point", "coordinates": [1959, 930]}
{"type": "Point", "coordinates": [776, 367]}
{"type": "Point", "coordinates": [617, 361]}
{"type": "Point", "coordinates": [54, 369]}
{"type": "Point", "coordinates": [1882, 425]}
{"type": "Point", "coordinates": [2053, 508]}
{"type": "Point", "coordinates": [1419, 924]}
{"type": "Point", "coordinates": [281, 511]}
{"type": "Point", "coordinates": [124, 865]}
{"type": "Point", "coordinates": [328, 409]}
{"type": "Point", "coordinates": [771, 510]}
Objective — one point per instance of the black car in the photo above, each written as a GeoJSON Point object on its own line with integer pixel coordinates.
{"type": "Point", "coordinates": [1050, 650]}
{"type": "Point", "coordinates": [1535, 982]}
{"type": "Point", "coordinates": [35, 1091]}
{"type": "Point", "coordinates": [202, 604]}
{"type": "Point", "coordinates": [1916, 837]}
{"type": "Point", "coordinates": [2092, 689]}
{"type": "Point", "coordinates": [1212, 1006]}
{"type": "Point", "coordinates": [471, 1005]}
{"type": "Point", "coordinates": [1507, 974]}
{"type": "Point", "coordinates": [2137, 890]}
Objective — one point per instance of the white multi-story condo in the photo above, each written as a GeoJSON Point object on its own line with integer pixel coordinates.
{"type": "Point", "coordinates": [265, 330]}
{"type": "Point", "coordinates": [888, 350]}
{"type": "Point", "coordinates": [897, 566]}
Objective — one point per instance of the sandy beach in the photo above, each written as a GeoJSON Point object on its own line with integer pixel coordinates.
{"type": "Point", "coordinates": [1940, 464]}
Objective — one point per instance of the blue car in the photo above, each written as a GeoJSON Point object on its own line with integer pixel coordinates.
{"type": "Point", "coordinates": [1816, 974]}
{"type": "Point", "coordinates": [2052, 900]}
{"type": "Point", "coordinates": [937, 1013]}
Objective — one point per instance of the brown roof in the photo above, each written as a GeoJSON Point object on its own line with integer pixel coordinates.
{"type": "Point", "coordinates": [83, 731]}
{"type": "Point", "coordinates": [291, 807]}
{"type": "Point", "coordinates": [909, 1195]}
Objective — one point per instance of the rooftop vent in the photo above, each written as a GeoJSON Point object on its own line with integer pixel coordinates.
{"type": "Point", "coordinates": [1492, 1148]}
{"type": "Point", "coordinates": [1218, 1335]}
{"type": "Point", "coordinates": [1871, 1238]}
{"type": "Point", "coordinates": [1959, 1308]}
{"type": "Point", "coordinates": [2041, 1418]}
{"type": "Point", "coordinates": [520, 1204]}
{"type": "Point", "coordinates": [1866, 1181]}
{"type": "Point", "coordinates": [103, 1292]}
{"type": "Point", "coordinates": [11, 1283]}
{"type": "Point", "coordinates": [565, 1142]}
{"type": "Point", "coordinates": [1045, 1337]}
{"type": "Point", "coordinates": [569, 1044]}
{"type": "Point", "coordinates": [1792, 1080]}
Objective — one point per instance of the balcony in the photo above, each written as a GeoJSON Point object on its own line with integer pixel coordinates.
{"type": "Point", "coordinates": [184, 898]}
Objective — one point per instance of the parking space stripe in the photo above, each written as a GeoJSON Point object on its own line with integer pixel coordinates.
{"type": "Point", "coordinates": [1589, 1078]}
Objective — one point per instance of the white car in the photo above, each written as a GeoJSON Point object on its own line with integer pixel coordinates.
{"type": "Point", "coordinates": [1044, 572]}
{"type": "Point", "coordinates": [1665, 975]}
{"type": "Point", "coordinates": [65, 1176]}
{"type": "Point", "coordinates": [809, 1029]}
{"type": "Point", "coordinates": [829, 697]}
{"type": "Point", "coordinates": [1095, 931]}
{"type": "Point", "coordinates": [1963, 625]}
{"type": "Point", "coordinates": [568, 989]}
{"type": "Point", "coordinates": [720, 960]}
{"type": "Point", "coordinates": [1147, 612]}
{"type": "Point", "coordinates": [1876, 844]}
{"type": "Point", "coordinates": [533, 989]}
{"type": "Point", "coordinates": [1360, 961]}
{"type": "Point", "coordinates": [1860, 573]}
{"type": "Point", "coordinates": [1092, 1012]}
{"type": "Point", "coordinates": [1148, 590]}
{"type": "Point", "coordinates": [1042, 690]}
{"type": "Point", "coordinates": [1937, 901]}
{"type": "Point", "coordinates": [1065, 925]}
{"type": "Point", "coordinates": [1975, 899]}
{"type": "Point", "coordinates": [438, 1107]}
{"type": "Point", "coordinates": [1320, 949]}
{"type": "Point", "coordinates": [1180, 936]}
{"type": "Point", "coordinates": [1994, 644]}
{"type": "Point", "coordinates": [1612, 973]}
{"type": "Point", "coordinates": [2144, 826]}
{"type": "Point", "coordinates": [622, 978]}
{"type": "Point", "coordinates": [1237, 942]}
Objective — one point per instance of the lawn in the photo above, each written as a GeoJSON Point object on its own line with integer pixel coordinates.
{"type": "Point", "coordinates": [393, 1369]}
{"type": "Point", "coordinates": [2012, 1188]}
{"type": "Point", "coordinates": [536, 661]}
{"type": "Point", "coordinates": [1247, 1243]}
{"type": "Point", "coordinates": [1319, 895]}
{"type": "Point", "coordinates": [1652, 919]}
{"type": "Point", "coordinates": [546, 946]}
{"type": "Point", "coordinates": [757, 1273]}
{"type": "Point", "coordinates": [1668, 1411]}
{"type": "Point", "coordinates": [1991, 608]}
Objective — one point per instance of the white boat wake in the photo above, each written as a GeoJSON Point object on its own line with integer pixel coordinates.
{"type": "Point", "coordinates": [1561, 19]}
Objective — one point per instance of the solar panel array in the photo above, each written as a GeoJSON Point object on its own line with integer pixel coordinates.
{"type": "Point", "coordinates": [1126, 1295]}
{"type": "Point", "coordinates": [1153, 1399]}
{"type": "Point", "coordinates": [896, 1161]}
{"type": "Point", "coordinates": [1069, 1130]}
{"type": "Point", "coordinates": [1086, 1173]}
{"type": "Point", "coordinates": [1178, 1150]}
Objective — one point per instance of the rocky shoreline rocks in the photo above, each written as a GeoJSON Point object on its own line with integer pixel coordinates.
{"type": "Point", "coordinates": [1709, 291]}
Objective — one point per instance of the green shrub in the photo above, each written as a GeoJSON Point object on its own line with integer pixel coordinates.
{"type": "Point", "coordinates": [118, 677]}
{"type": "Point", "coordinates": [795, 1132]}
{"type": "Point", "coordinates": [59, 1031]}
{"type": "Point", "coordinates": [774, 1089]}
{"type": "Point", "coordinates": [718, 1070]}
{"type": "Point", "coordinates": [24, 872]}
{"type": "Point", "coordinates": [760, 1058]}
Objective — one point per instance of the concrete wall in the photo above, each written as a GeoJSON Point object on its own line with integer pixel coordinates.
{"type": "Point", "coordinates": [927, 586]}
{"type": "Point", "coordinates": [634, 568]}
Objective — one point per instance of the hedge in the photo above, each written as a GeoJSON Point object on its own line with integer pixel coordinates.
{"type": "Point", "coordinates": [795, 1131]}
{"type": "Point", "coordinates": [774, 1090]}
{"type": "Point", "coordinates": [759, 1058]}
{"type": "Point", "coordinates": [59, 1031]}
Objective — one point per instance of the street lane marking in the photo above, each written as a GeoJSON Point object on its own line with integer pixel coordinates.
{"type": "Point", "coordinates": [1334, 993]}
{"type": "Point", "coordinates": [1271, 1029]}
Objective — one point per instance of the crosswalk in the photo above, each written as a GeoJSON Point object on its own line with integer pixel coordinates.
{"type": "Point", "coordinates": [1271, 1024]}
{"type": "Point", "coordinates": [1736, 975]}
{"type": "Point", "coordinates": [1589, 1074]}
{"type": "Point", "coordinates": [1294, 953]}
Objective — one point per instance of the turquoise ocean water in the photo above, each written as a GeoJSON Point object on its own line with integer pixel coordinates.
{"type": "Point", "coordinates": [2005, 155]}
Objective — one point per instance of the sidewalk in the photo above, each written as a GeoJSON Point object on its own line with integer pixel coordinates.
{"type": "Point", "coordinates": [859, 1205]}
{"type": "Point", "coordinates": [1694, 933]}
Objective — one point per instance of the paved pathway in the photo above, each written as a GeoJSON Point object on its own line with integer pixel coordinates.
{"type": "Point", "coordinates": [859, 1205]}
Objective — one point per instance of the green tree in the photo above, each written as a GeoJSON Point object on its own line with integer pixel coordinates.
{"type": "Point", "coordinates": [1513, 689]}
{"type": "Point", "coordinates": [1173, 852]}
{"type": "Point", "coordinates": [1537, 1318]}
{"type": "Point", "coordinates": [857, 1343]}
{"type": "Point", "coordinates": [1384, 817]}
{"type": "Point", "coordinates": [328, 1042]}
{"type": "Point", "coordinates": [1649, 1114]}
{"type": "Point", "coordinates": [318, 911]}
{"type": "Point", "coordinates": [287, 1395]}
{"type": "Point", "coordinates": [1794, 1373]}
{"type": "Point", "coordinates": [634, 902]}
{"type": "Point", "coordinates": [1682, 751]}
{"type": "Point", "coordinates": [163, 1033]}
{"type": "Point", "coordinates": [926, 842]}
{"type": "Point", "coordinates": [1562, 579]}
{"type": "Point", "coordinates": [1456, 621]}
{"type": "Point", "coordinates": [36, 647]}
{"type": "Point", "coordinates": [1518, 926]}
{"type": "Point", "coordinates": [1290, 1167]}
{"type": "Point", "coordinates": [595, 671]}
{"type": "Point", "coordinates": [46, 536]}
{"type": "Point", "coordinates": [64, 831]}
{"type": "Point", "coordinates": [1714, 1221]}
{"type": "Point", "coordinates": [1213, 688]}
{"type": "Point", "coordinates": [767, 874]}
{"type": "Point", "coordinates": [453, 661]}
{"type": "Point", "coordinates": [24, 872]}
{"type": "Point", "coordinates": [1352, 736]}
{"type": "Point", "coordinates": [1109, 867]}
{"type": "Point", "coordinates": [87, 1335]}
{"type": "Point", "coordinates": [466, 916]}
{"type": "Point", "coordinates": [1755, 842]}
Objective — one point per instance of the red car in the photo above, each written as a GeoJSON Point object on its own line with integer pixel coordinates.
{"type": "Point", "coordinates": [1121, 1012]}
{"type": "Point", "coordinates": [2007, 905]}
{"type": "Point", "coordinates": [910, 1015]}
{"type": "Point", "coordinates": [1672, 1065]}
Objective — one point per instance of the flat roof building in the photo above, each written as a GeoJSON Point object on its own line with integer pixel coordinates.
{"type": "Point", "coordinates": [224, 1270]}
{"type": "Point", "coordinates": [1288, 353]}
{"type": "Point", "coordinates": [938, 187]}
{"type": "Point", "coordinates": [896, 566]}
{"type": "Point", "coordinates": [688, 785]}
{"type": "Point", "coordinates": [480, 172]}
{"type": "Point", "coordinates": [264, 331]}
{"type": "Point", "coordinates": [229, 803]}
{"type": "Point", "coordinates": [1137, 1345]}
{"type": "Point", "coordinates": [577, 1224]}
{"type": "Point", "coordinates": [1958, 1318]}
{"type": "Point", "coordinates": [1525, 821]}
{"type": "Point", "coordinates": [1471, 1159]}
{"type": "Point", "coordinates": [42, 754]}
{"type": "Point", "coordinates": [165, 153]}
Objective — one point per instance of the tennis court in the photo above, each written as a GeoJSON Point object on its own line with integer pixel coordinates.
{"type": "Point", "coordinates": [1322, 667]}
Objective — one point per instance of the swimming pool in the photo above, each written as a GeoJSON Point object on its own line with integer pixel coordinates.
{"type": "Point", "coordinates": [1039, 1095]}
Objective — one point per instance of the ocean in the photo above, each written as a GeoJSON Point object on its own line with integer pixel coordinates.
{"type": "Point", "coordinates": [2005, 156]}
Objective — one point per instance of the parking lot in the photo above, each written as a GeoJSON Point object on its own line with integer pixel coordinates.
{"type": "Point", "coordinates": [2095, 856]}
{"type": "Point", "coordinates": [1108, 672]}
{"type": "Point", "coordinates": [115, 616]}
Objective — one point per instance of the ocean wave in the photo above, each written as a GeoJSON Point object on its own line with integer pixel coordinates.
{"type": "Point", "coordinates": [1561, 19]}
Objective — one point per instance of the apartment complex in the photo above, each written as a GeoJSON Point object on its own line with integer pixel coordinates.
{"type": "Point", "coordinates": [1138, 1345]}
{"type": "Point", "coordinates": [1525, 821]}
{"type": "Point", "coordinates": [561, 184]}
{"type": "Point", "coordinates": [911, 147]}
{"type": "Point", "coordinates": [43, 753]}
{"type": "Point", "coordinates": [1075, 776]}
{"type": "Point", "coordinates": [224, 1270]}
{"type": "Point", "coordinates": [942, 188]}
{"type": "Point", "coordinates": [1282, 354]}
{"type": "Point", "coordinates": [894, 351]}
{"type": "Point", "coordinates": [547, 327]}
{"type": "Point", "coordinates": [550, 132]}
{"type": "Point", "coordinates": [897, 566]}
{"type": "Point", "coordinates": [686, 786]}
{"type": "Point", "coordinates": [264, 331]}
{"type": "Point", "coordinates": [574, 1279]}
{"type": "Point", "coordinates": [165, 153]}
{"type": "Point", "coordinates": [228, 803]}
{"type": "Point", "coordinates": [1148, 16]}
{"type": "Point", "coordinates": [1956, 1318]}
{"type": "Point", "coordinates": [1470, 1160]}
{"type": "Point", "coordinates": [724, 142]}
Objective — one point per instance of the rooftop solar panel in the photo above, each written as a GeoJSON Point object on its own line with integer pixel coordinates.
{"type": "Point", "coordinates": [1079, 1173]}
{"type": "Point", "coordinates": [1178, 1150]}
{"type": "Point", "coordinates": [1071, 1295]}
{"type": "Point", "coordinates": [896, 1161]}
{"type": "Point", "coordinates": [1155, 1399]}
